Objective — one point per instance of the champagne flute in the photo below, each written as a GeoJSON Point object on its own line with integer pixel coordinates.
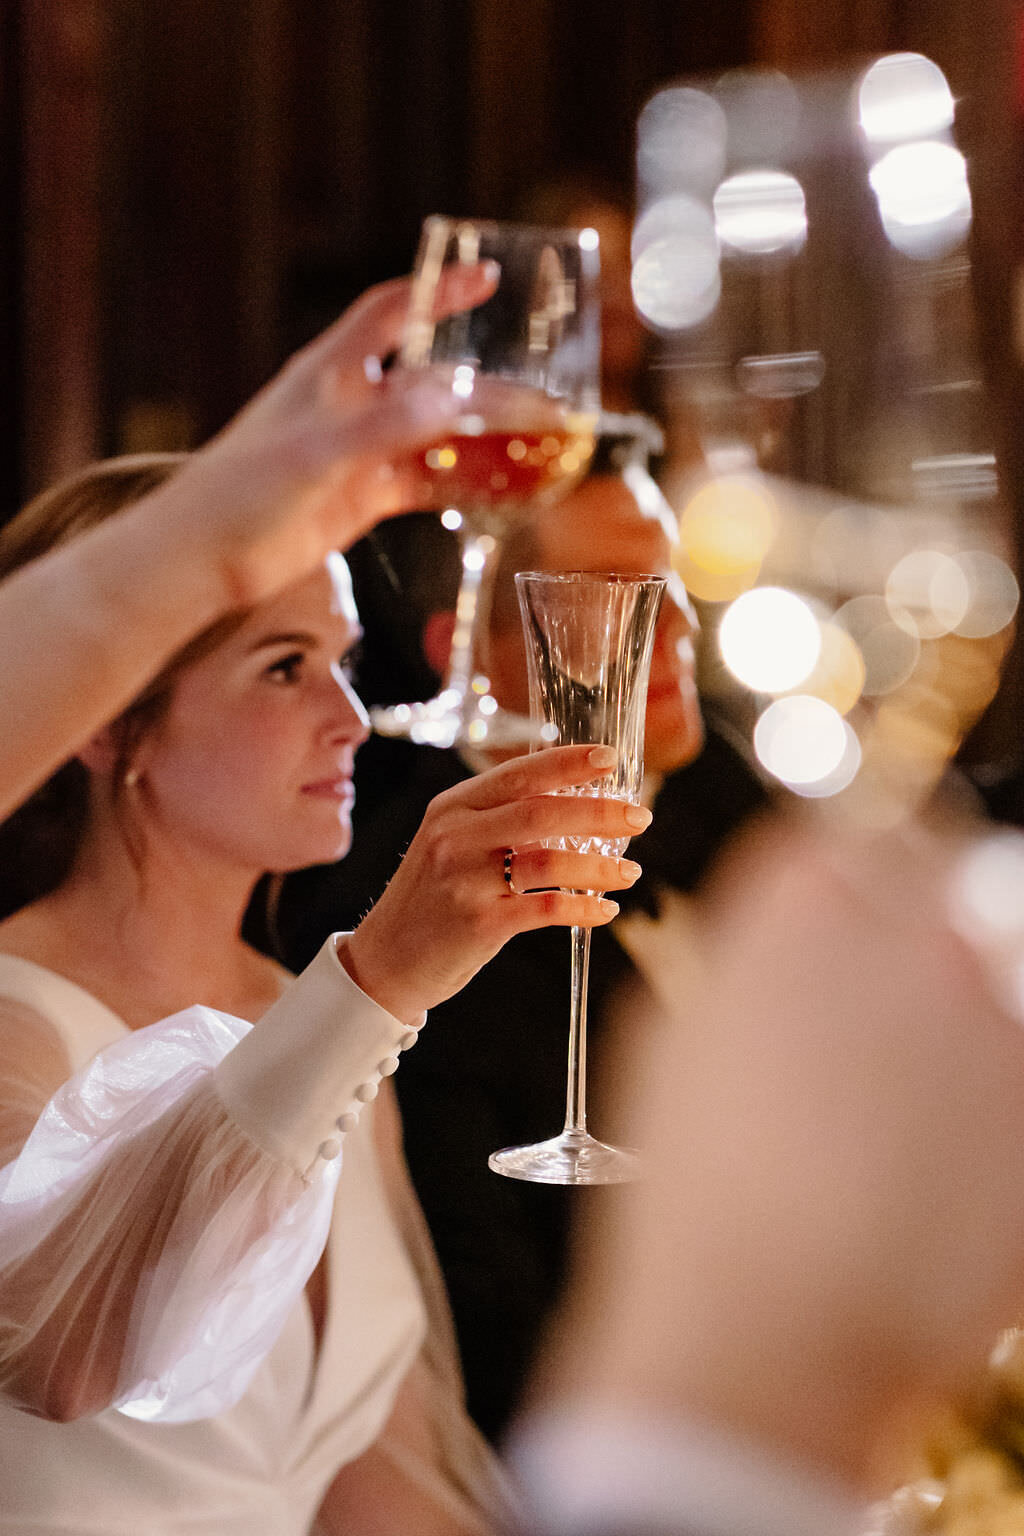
{"type": "Point", "coordinates": [589, 641]}
{"type": "Point", "coordinates": [523, 366]}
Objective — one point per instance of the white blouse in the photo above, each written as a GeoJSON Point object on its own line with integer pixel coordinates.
{"type": "Point", "coordinates": [205, 1154]}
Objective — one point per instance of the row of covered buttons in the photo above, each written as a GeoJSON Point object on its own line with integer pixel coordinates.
{"type": "Point", "coordinates": [365, 1094]}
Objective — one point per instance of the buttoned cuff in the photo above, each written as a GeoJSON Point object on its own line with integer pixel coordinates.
{"type": "Point", "coordinates": [298, 1080]}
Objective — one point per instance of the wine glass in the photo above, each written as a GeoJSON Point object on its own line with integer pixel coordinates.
{"type": "Point", "coordinates": [589, 641]}
{"type": "Point", "coordinates": [523, 366]}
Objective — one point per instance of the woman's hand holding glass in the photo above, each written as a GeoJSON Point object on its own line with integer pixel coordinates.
{"type": "Point", "coordinates": [448, 908]}
{"type": "Point", "coordinates": [326, 449]}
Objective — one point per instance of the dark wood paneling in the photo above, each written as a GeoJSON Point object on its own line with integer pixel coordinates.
{"type": "Point", "coordinates": [11, 445]}
{"type": "Point", "coordinates": [192, 269]}
{"type": "Point", "coordinates": [611, 58]}
{"type": "Point", "coordinates": [61, 48]}
{"type": "Point", "coordinates": [380, 134]}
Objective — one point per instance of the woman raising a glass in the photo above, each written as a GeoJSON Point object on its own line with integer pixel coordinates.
{"type": "Point", "coordinates": [217, 1311]}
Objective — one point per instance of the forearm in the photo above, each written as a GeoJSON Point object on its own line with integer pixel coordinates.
{"type": "Point", "coordinates": [83, 628]}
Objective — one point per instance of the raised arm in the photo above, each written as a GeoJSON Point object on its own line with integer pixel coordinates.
{"type": "Point", "coordinates": [319, 456]}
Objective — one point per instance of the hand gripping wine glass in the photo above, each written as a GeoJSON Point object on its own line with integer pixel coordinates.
{"type": "Point", "coordinates": [523, 366]}
{"type": "Point", "coordinates": [589, 641]}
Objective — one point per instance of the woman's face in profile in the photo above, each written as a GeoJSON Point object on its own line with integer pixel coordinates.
{"type": "Point", "coordinates": [251, 764]}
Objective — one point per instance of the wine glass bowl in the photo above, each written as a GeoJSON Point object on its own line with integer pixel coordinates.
{"type": "Point", "coordinates": [589, 642]}
{"type": "Point", "coordinates": [522, 366]}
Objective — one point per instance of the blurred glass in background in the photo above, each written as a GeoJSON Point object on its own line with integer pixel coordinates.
{"type": "Point", "coordinates": [801, 250]}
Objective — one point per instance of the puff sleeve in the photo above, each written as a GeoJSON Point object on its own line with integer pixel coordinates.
{"type": "Point", "coordinates": [170, 1201]}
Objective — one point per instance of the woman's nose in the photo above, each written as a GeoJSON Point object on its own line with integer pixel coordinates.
{"type": "Point", "coordinates": [350, 720]}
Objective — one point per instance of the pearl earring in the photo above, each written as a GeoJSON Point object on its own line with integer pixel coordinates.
{"type": "Point", "coordinates": [131, 778]}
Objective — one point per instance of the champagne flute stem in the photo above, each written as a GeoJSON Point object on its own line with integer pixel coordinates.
{"type": "Point", "coordinates": [479, 566]}
{"type": "Point", "coordinates": [576, 1089]}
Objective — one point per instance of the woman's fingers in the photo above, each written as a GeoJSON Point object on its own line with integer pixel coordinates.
{"type": "Point", "coordinates": [561, 909]}
{"type": "Point", "coordinates": [536, 773]}
{"type": "Point", "coordinates": [378, 450]}
{"type": "Point", "coordinates": [547, 818]}
{"type": "Point", "coordinates": [464, 287]}
{"type": "Point", "coordinates": [538, 869]}
{"type": "Point", "coordinates": [372, 325]}
{"type": "Point", "coordinates": [450, 905]}
{"type": "Point", "coordinates": [371, 329]}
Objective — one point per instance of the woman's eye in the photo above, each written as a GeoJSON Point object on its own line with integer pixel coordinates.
{"type": "Point", "coordinates": [288, 669]}
{"type": "Point", "coordinates": [349, 663]}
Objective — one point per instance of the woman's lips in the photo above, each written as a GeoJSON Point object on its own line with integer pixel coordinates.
{"type": "Point", "coordinates": [330, 789]}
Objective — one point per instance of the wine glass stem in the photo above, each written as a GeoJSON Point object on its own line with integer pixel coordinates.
{"type": "Point", "coordinates": [472, 610]}
{"type": "Point", "coordinates": [576, 1090]}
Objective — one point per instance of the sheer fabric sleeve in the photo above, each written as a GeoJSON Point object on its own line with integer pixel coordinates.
{"type": "Point", "coordinates": [170, 1201]}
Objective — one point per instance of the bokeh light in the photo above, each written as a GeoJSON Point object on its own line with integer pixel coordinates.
{"type": "Point", "coordinates": [764, 112]}
{"type": "Point", "coordinates": [904, 96]}
{"type": "Point", "coordinates": [464, 380]}
{"type": "Point", "coordinates": [780, 375]}
{"type": "Point", "coordinates": [769, 639]}
{"type": "Point", "coordinates": [681, 142]}
{"type": "Point", "coordinates": [928, 592]}
{"type": "Point", "coordinates": [761, 212]}
{"type": "Point", "coordinates": [993, 594]}
{"type": "Point", "coordinates": [988, 891]}
{"type": "Point", "coordinates": [965, 671]}
{"type": "Point", "coordinates": [807, 744]}
{"type": "Point", "coordinates": [957, 477]}
{"type": "Point", "coordinates": [915, 732]}
{"type": "Point", "coordinates": [676, 279]}
{"type": "Point", "coordinates": [839, 673]}
{"type": "Point", "coordinates": [725, 530]}
{"type": "Point", "coordinates": [923, 198]}
{"type": "Point", "coordinates": [889, 650]}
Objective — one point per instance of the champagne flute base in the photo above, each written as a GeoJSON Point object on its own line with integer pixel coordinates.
{"type": "Point", "coordinates": [455, 720]}
{"type": "Point", "coordinates": [571, 1158]}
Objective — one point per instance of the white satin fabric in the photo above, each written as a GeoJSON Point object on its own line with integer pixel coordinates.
{"type": "Point", "coordinates": [152, 1161]}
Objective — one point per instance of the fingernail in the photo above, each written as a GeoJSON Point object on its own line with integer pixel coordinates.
{"type": "Point", "coordinates": [609, 908]}
{"type": "Point", "coordinates": [492, 270]}
{"type": "Point", "coordinates": [638, 816]}
{"type": "Point", "coordinates": [602, 757]}
{"type": "Point", "coordinates": [629, 870]}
